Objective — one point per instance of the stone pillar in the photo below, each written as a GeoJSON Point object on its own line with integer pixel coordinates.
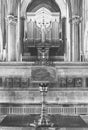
{"type": "Point", "coordinates": [19, 46]}
{"type": "Point", "coordinates": [11, 21]}
{"type": "Point", "coordinates": [70, 45]}
{"type": "Point", "coordinates": [75, 39]}
{"type": "Point", "coordinates": [3, 41]}
{"type": "Point", "coordinates": [64, 37]}
{"type": "Point", "coordinates": [82, 25]}
{"type": "Point", "coordinates": [1, 37]}
{"type": "Point", "coordinates": [85, 31]}
{"type": "Point", "coordinates": [80, 40]}
{"type": "Point", "coordinates": [68, 36]}
{"type": "Point", "coordinates": [11, 38]}
{"type": "Point", "coordinates": [22, 34]}
{"type": "Point", "coordinates": [1, 44]}
{"type": "Point", "coordinates": [75, 30]}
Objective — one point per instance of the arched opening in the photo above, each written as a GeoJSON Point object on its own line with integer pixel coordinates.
{"type": "Point", "coordinates": [60, 3]}
{"type": "Point", "coordinates": [46, 27]}
{"type": "Point", "coordinates": [35, 5]}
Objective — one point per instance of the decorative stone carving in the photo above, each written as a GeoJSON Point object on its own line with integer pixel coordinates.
{"type": "Point", "coordinates": [24, 82]}
{"type": "Point", "coordinates": [16, 82]}
{"type": "Point", "coordinates": [9, 82]}
{"type": "Point", "coordinates": [78, 82]}
{"type": "Point", "coordinates": [43, 74]}
{"type": "Point", "coordinates": [70, 82]}
{"type": "Point", "coordinates": [63, 83]}
{"type": "Point", "coordinates": [11, 19]}
{"type": "Point", "coordinates": [76, 19]}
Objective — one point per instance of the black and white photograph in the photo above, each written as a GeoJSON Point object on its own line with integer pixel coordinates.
{"type": "Point", "coordinates": [43, 64]}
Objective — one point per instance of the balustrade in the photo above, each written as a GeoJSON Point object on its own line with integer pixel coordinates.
{"type": "Point", "coordinates": [75, 110]}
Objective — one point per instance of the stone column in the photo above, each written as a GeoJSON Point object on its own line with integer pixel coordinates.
{"type": "Point", "coordinates": [75, 39]}
{"type": "Point", "coordinates": [11, 21]}
{"type": "Point", "coordinates": [64, 37]}
{"type": "Point", "coordinates": [19, 46]}
{"type": "Point", "coordinates": [80, 40]}
{"type": "Point", "coordinates": [1, 37]}
{"type": "Point", "coordinates": [85, 31]}
{"type": "Point", "coordinates": [11, 38]}
{"type": "Point", "coordinates": [22, 34]}
{"type": "Point", "coordinates": [75, 30]}
{"type": "Point", "coordinates": [68, 36]}
{"type": "Point", "coordinates": [3, 29]}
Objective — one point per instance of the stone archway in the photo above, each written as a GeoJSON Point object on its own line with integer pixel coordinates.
{"type": "Point", "coordinates": [61, 4]}
{"type": "Point", "coordinates": [65, 8]}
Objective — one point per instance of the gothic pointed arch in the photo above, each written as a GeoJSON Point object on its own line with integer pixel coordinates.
{"type": "Point", "coordinates": [62, 6]}
{"type": "Point", "coordinates": [49, 4]}
{"type": "Point", "coordinates": [60, 3]}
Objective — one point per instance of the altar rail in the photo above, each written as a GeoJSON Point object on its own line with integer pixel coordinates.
{"type": "Point", "coordinates": [51, 110]}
